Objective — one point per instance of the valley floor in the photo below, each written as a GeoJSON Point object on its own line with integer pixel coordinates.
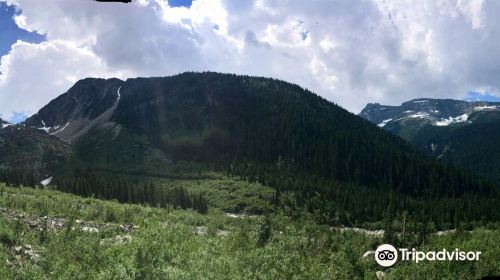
{"type": "Point", "coordinates": [47, 234]}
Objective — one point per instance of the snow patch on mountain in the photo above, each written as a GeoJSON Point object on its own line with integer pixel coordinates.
{"type": "Point", "coordinates": [420, 115]}
{"type": "Point", "coordinates": [48, 129]}
{"type": "Point", "coordinates": [450, 120]}
{"type": "Point", "coordinates": [384, 122]}
{"type": "Point", "coordinates": [118, 93]}
{"type": "Point", "coordinates": [44, 128]}
{"type": "Point", "coordinates": [420, 101]}
{"type": "Point", "coordinates": [60, 129]}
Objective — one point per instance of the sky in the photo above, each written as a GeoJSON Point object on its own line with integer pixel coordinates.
{"type": "Point", "coordinates": [350, 52]}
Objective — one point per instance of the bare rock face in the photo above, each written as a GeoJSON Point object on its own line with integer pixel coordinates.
{"type": "Point", "coordinates": [89, 103]}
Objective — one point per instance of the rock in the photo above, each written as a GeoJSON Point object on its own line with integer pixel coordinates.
{"type": "Point", "coordinates": [32, 224]}
{"type": "Point", "coordinates": [18, 249]}
{"type": "Point", "coordinates": [127, 238]}
{"type": "Point", "coordinates": [36, 258]}
{"type": "Point", "coordinates": [78, 221]}
{"type": "Point", "coordinates": [222, 232]}
{"type": "Point", "coordinates": [368, 253]}
{"type": "Point", "coordinates": [376, 233]}
{"type": "Point", "coordinates": [127, 227]}
{"type": "Point", "coordinates": [90, 229]}
{"type": "Point", "coordinates": [116, 240]}
{"type": "Point", "coordinates": [380, 275]}
{"type": "Point", "coordinates": [201, 230]}
{"type": "Point", "coordinates": [241, 216]}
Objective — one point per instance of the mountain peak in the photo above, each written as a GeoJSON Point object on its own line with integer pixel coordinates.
{"type": "Point", "coordinates": [411, 116]}
{"type": "Point", "coordinates": [83, 105]}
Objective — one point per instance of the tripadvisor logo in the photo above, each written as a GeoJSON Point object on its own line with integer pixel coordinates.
{"type": "Point", "coordinates": [387, 255]}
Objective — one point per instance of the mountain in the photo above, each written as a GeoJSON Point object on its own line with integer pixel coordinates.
{"type": "Point", "coordinates": [461, 132]}
{"type": "Point", "coordinates": [144, 123]}
{"type": "Point", "coordinates": [314, 153]}
{"type": "Point", "coordinates": [30, 153]}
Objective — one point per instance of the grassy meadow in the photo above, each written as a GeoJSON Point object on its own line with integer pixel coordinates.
{"type": "Point", "coordinates": [46, 234]}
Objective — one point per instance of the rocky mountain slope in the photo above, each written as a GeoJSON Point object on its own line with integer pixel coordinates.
{"type": "Point", "coordinates": [465, 133]}
{"type": "Point", "coordinates": [89, 103]}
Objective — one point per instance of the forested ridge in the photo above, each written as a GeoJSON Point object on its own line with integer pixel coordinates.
{"type": "Point", "coordinates": [316, 155]}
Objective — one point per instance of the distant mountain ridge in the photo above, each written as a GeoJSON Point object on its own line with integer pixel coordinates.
{"type": "Point", "coordinates": [438, 112]}
{"type": "Point", "coordinates": [462, 132]}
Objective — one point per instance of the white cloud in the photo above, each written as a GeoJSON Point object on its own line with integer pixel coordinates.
{"type": "Point", "coordinates": [351, 52]}
{"type": "Point", "coordinates": [32, 74]}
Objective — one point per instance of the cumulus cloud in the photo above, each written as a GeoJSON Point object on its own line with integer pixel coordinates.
{"type": "Point", "coordinates": [350, 52]}
{"type": "Point", "coordinates": [32, 74]}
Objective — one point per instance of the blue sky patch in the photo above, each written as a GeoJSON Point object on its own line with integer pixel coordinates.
{"type": "Point", "coordinates": [10, 33]}
{"type": "Point", "coordinates": [17, 117]}
{"type": "Point", "coordinates": [180, 3]}
{"type": "Point", "coordinates": [476, 96]}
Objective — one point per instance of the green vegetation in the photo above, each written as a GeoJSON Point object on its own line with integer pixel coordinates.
{"type": "Point", "coordinates": [182, 244]}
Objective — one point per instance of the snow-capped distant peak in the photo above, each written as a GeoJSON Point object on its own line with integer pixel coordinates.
{"type": "Point", "coordinates": [486, 108]}
{"type": "Point", "coordinates": [450, 120]}
{"type": "Point", "coordinates": [420, 101]}
{"type": "Point", "coordinates": [384, 122]}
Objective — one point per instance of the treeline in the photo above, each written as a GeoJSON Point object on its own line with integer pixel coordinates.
{"type": "Point", "coordinates": [350, 204]}
{"type": "Point", "coordinates": [115, 187]}
{"type": "Point", "coordinates": [16, 177]}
